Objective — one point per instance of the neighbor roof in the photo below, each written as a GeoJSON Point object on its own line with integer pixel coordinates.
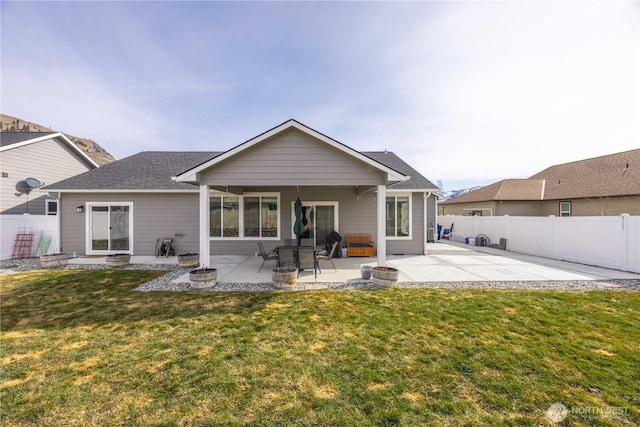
{"type": "Point", "coordinates": [152, 171]}
{"type": "Point", "coordinates": [13, 140]}
{"type": "Point", "coordinates": [10, 138]}
{"type": "Point", "coordinates": [612, 175]}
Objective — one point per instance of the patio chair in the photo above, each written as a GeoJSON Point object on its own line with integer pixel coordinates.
{"type": "Point", "coordinates": [164, 247]}
{"type": "Point", "coordinates": [291, 242]}
{"type": "Point", "coordinates": [307, 259]}
{"type": "Point", "coordinates": [328, 257]}
{"type": "Point", "coordinates": [306, 242]}
{"type": "Point", "coordinates": [286, 257]}
{"type": "Point", "coordinates": [266, 256]}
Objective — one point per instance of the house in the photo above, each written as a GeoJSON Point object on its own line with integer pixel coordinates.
{"type": "Point", "coordinates": [226, 202]}
{"type": "Point", "coordinates": [46, 156]}
{"type": "Point", "coordinates": [605, 185]}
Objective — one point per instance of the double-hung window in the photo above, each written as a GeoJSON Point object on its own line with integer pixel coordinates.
{"type": "Point", "coordinates": [253, 216]}
{"type": "Point", "coordinates": [398, 216]}
{"type": "Point", "coordinates": [565, 208]}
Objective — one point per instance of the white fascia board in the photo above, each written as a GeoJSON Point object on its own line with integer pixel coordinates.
{"type": "Point", "coordinates": [52, 136]}
{"type": "Point", "coordinates": [409, 190]}
{"type": "Point", "coordinates": [190, 175]}
{"type": "Point", "coordinates": [121, 191]}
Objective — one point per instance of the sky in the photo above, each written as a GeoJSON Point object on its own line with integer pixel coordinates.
{"type": "Point", "coordinates": [467, 92]}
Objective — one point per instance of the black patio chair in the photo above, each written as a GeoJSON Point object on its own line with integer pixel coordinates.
{"type": "Point", "coordinates": [307, 260]}
{"type": "Point", "coordinates": [287, 257]}
{"type": "Point", "coordinates": [266, 256]}
{"type": "Point", "coordinates": [164, 247]}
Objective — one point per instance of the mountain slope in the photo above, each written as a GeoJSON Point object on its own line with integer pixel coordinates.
{"type": "Point", "coordinates": [91, 148]}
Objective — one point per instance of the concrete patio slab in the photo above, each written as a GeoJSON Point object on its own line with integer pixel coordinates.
{"type": "Point", "coordinates": [444, 262]}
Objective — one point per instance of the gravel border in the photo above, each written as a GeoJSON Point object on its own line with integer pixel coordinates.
{"type": "Point", "coordinates": [164, 282]}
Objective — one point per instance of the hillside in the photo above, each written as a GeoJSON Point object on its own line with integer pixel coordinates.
{"type": "Point", "coordinates": [91, 148]}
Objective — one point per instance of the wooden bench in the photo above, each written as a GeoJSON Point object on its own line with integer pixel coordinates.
{"type": "Point", "coordinates": [359, 244]}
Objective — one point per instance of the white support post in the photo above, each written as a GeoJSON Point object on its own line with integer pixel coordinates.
{"type": "Point", "coordinates": [382, 221]}
{"type": "Point", "coordinates": [203, 206]}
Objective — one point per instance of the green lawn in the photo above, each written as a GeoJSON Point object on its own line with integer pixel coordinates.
{"type": "Point", "coordinates": [80, 348]}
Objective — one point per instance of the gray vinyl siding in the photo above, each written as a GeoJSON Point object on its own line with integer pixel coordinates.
{"type": "Point", "coordinates": [158, 215]}
{"type": "Point", "coordinates": [48, 161]}
{"type": "Point", "coordinates": [292, 158]}
{"type": "Point", "coordinates": [155, 215]}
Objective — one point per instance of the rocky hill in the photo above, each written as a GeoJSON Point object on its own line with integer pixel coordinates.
{"type": "Point", "coordinates": [91, 148]}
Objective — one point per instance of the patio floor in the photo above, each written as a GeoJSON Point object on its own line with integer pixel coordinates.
{"type": "Point", "coordinates": [444, 262]}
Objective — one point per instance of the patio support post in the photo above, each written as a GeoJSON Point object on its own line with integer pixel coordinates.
{"type": "Point", "coordinates": [205, 244]}
{"type": "Point", "coordinates": [382, 232]}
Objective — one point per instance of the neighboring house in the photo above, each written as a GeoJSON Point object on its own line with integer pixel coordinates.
{"type": "Point", "coordinates": [606, 185]}
{"type": "Point", "coordinates": [46, 156]}
{"type": "Point", "coordinates": [225, 202]}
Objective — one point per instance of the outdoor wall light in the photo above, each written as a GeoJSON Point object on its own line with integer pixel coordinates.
{"type": "Point", "coordinates": [80, 209]}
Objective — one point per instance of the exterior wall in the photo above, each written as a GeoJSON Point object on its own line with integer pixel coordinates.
{"type": "Point", "coordinates": [608, 206]}
{"type": "Point", "coordinates": [155, 215]}
{"type": "Point", "coordinates": [49, 161]}
{"type": "Point", "coordinates": [291, 158]}
{"type": "Point", "coordinates": [158, 215]}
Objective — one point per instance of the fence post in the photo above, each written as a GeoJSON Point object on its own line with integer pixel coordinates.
{"type": "Point", "coordinates": [552, 233]}
{"type": "Point", "coordinates": [624, 218]}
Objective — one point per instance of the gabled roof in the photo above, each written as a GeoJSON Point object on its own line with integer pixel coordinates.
{"type": "Point", "coordinates": [612, 175]}
{"type": "Point", "coordinates": [189, 175]}
{"type": "Point", "coordinates": [146, 171]}
{"type": "Point", "coordinates": [13, 140]}
{"type": "Point", "coordinates": [152, 171]}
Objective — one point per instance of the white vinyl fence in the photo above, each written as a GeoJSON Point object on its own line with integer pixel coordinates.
{"type": "Point", "coordinates": [605, 241]}
{"type": "Point", "coordinates": [44, 228]}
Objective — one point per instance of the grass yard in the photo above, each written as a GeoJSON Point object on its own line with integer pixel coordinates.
{"type": "Point", "coordinates": [80, 348]}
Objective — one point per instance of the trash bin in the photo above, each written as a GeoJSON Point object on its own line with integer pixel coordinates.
{"type": "Point", "coordinates": [439, 231]}
{"type": "Point", "coordinates": [365, 272]}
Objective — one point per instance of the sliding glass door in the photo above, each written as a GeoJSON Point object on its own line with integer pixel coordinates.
{"type": "Point", "coordinates": [109, 228]}
{"type": "Point", "coordinates": [319, 219]}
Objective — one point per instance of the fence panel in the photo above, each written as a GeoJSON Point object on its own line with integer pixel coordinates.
{"type": "Point", "coordinates": [44, 227]}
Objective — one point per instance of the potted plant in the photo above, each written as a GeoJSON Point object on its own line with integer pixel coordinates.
{"type": "Point", "coordinates": [385, 276]}
{"type": "Point", "coordinates": [117, 260]}
{"type": "Point", "coordinates": [189, 259]}
{"type": "Point", "coordinates": [284, 278]}
{"type": "Point", "coordinates": [203, 278]}
{"type": "Point", "coordinates": [54, 260]}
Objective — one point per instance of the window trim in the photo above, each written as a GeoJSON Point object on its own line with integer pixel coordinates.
{"type": "Point", "coordinates": [565, 212]}
{"type": "Point", "coordinates": [47, 211]}
{"type": "Point", "coordinates": [395, 197]}
{"type": "Point", "coordinates": [241, 225]}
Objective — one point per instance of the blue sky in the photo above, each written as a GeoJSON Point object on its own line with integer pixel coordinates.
{"type": "Point", "coordinates": [467, 92]}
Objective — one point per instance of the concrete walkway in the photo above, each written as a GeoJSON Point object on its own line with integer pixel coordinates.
{"type": "Point", "coordinates": [444, 262]}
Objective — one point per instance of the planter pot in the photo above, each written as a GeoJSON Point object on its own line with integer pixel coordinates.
{"type": "Point", "coordinates": [117, 260]}
{"type": "Point", "coordinates": [284, 278]}
{"type": "Point", "coordinates": [365, 272]}
{"type": "Point", "coordinates": [54, 260]}
{"type": "Point", "coordinates": [188, 260]}
{"type": "Point", "coordinates": [203, 278]}
{"type": "Point", "coordinates": [385, 276]}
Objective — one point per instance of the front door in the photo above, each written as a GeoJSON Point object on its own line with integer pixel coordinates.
{"type": "Point", "coordinates": [109, 228]}
{"type": "Point", "coordinates": [319, 219]}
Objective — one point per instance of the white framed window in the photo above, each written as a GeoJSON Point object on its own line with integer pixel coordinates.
{"type": "Point", "coordinates": [254, 216]}
{"type": "Point", "coordinates": [565, 208]}
{"type": "Point", "coordinates": [398, 216]}
{"type": "Point", "coordinates": [51, 207]}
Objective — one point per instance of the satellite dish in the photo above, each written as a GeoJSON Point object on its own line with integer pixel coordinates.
{"type": "Point", "coordinates": [23, 188]}
{"type": "Point", "coordinates": [34, 183]}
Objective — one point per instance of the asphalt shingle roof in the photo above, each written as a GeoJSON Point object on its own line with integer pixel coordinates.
{"type": "Point", "coordinates": [149, 170]}
{"type": "Point", "coordinates": [612, 175]}
{"type": "Point", "coordinates": [152, 170]}
{"type": "Point", "coordinates": [10, 138]}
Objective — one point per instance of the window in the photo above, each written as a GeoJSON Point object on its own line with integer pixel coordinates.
{"type": "Point", "coordinates": [51, 207]}
{"type": "Point", "coordinates": [398, 213]}
{"type": "Point", "coordinates": [565, 208]}
{"type": "Point", "coordinates": [250, 216]}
